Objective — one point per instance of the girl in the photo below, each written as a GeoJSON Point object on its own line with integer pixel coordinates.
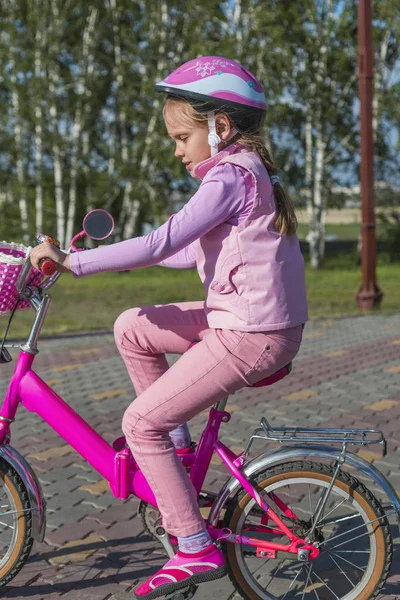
{"type": "Point", "coordinates": [239, 231]}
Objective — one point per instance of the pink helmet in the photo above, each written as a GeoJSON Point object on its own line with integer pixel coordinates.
{"type": "Point", "coordinates": [220, 80]}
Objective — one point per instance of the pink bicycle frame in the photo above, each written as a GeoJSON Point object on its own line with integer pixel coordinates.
{"type": "Point", "coordinates": [119, 467]}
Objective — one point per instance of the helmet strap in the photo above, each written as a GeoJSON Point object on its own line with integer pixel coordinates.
{"type": "Point", "coordinates": [213, 138]}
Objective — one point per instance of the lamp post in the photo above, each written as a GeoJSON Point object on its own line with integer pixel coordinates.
{"type": "Point", "coordinates": [369, 295]}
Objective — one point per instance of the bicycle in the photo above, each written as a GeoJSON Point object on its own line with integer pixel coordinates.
{"type": "Point", "coordinates": [290, 525]}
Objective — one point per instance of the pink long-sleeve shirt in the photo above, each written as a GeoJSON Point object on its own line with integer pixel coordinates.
{"type": "Point", "coordinates": [253, 276]}
{"type": "Point", "coordinates": [225, 197]}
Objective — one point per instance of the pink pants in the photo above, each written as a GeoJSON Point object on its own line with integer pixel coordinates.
{"type": "Point", "coordinates": [223, 362]}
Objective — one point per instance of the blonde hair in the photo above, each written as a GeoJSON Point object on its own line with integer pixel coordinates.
{"type": "Point", "coordinates": [285, 217]}
{"type": "Point", "coordinates": [187, 114]}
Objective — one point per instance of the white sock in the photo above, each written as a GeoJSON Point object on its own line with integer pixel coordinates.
{"type": "Point", "coordinates": [180, 436]}
{"type": "Point", "coordinates": [195, 543]}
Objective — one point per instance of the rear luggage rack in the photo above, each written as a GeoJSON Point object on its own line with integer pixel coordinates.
{"type": "Point", "coordinates": [362, 437]}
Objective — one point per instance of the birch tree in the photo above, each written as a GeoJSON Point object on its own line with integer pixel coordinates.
{"type": "Point", "coordinates": [18, 123]}
{"type": "Point", "coordinates": [85, 68]}
{"type": "Point", "coordinates": [39, 28]}
{"type": "Point", "coordinates": [54, 83]}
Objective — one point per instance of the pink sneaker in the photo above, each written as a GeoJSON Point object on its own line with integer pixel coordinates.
{"type": "Point", "coordinates": [183, 570]}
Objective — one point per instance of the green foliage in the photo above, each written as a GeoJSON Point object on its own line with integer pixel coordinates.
{"type": "Point", "coordinates": [109, 93]}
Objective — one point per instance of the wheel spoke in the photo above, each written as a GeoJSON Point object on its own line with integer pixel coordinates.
{"type": "Point", "coordinates": [6, 525]}
{"type": "Point", "coordinates": [341, 570]}
{"type": "Point", "coordinates": [276, 572]}
{"type": "Point", "coordinates": [347, 561]}
{"type": "Point", "coordinates": [310, 502]}
{"type": "Point", "coordinates": [320, 499]}
{"type": "Point", "coordinates": [315, 591]}
{"type": "Point", "coordinates": [326, 585]}
{"type": "Point", "coordinates": [339, 520]}
{"type": "Point", "coordinates": [290, 497]}
{"type": "Point", "coordinates": [312, 583]}
{"type": "Point", "coordinates": [347, 541]}
{"type": "Point", "coordinates": [333, 510]}
{"type": "Point", "coordinates": [293, 581]}
{"type": "Point", "coordinates": [306, 584]}
{"type": "Point", "coordinates": [352, 552]}
{"type": "Point", "coordinates": [15, 512]}
{"type": "Point", "coordinates": [335, 537]}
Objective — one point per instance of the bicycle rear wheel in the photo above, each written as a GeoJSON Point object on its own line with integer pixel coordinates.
{"type": "Point", "coordinates": [15, 523]}
{"type": "Point", "coordinates": [353, 533]}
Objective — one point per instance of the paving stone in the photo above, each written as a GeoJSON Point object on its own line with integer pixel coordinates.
{"type": "Point", "coordinates": [96, 548]}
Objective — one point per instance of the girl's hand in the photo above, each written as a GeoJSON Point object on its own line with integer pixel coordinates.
{"type": "Point", "coordinates": [47, 250]}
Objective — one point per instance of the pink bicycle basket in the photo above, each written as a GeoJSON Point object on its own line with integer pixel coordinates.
{"type": "Point", "coordinates": [12, 257]}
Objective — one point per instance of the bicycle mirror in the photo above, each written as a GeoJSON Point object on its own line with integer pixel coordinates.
{"type": "Point", "coordinates": [98, 224]}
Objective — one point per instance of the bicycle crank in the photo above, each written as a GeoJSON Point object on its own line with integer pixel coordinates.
{"type": "Point", "coordinates": [151, 520]}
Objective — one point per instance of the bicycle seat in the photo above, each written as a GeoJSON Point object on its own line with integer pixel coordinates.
{"type": "Point", "coordinates": [274, 377]}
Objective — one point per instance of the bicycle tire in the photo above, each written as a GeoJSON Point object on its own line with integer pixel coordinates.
{"type": "Point", "coordinates": [15, 511]}
{"type": "Point", "coordinates": [276, 478]}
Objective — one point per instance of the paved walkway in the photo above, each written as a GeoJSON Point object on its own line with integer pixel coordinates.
{"type": "Point", "coordinates": [346, 374]}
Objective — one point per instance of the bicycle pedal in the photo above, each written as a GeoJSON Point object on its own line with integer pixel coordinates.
{"type": "Point", "coordinates": [183, 594]}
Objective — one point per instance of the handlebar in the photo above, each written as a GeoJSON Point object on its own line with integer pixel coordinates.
{"type": "Point", "coordinates": [27, 270]}
{"type": "Point", "coordinates": [47, 266]}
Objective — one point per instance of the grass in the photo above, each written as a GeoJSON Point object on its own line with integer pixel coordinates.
{"type": "Point", "coordinates": [95, 302]}
{"type": "Point", "coordinates": [332, 292]}
{"type": "Point", "coordinates": [348, 231]}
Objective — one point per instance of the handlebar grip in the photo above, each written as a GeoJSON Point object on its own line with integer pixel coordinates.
{"type": "Point", "coordinates": [47, 266]}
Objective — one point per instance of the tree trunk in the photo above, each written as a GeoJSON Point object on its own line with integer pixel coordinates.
{"type": "Point", "coordinates": [87, 59]}
{"type": "Point", "coordinates": [119, 116]}
{"type": "Point", "coordinates": [316, 234]}
{"type": "Point", "coordinates": [39, 44]}
{"type": "Point", "coordinates": [309, 176]}
{"type": "Point", "coordinates": [54, 82]}
{"type": "Point", "coordinates": [23, 205]}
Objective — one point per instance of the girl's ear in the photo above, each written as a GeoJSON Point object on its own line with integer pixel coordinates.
{"type": "Point", "coordinates": [223, 126]}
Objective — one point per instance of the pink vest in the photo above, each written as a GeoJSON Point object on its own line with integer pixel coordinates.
{"type": "Point", "coordinates": [253, 276]}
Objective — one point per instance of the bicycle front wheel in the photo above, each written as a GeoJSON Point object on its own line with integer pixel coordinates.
{"type": "Point", "coordinates": [15, 523]}
{"type": "Point", "coordinates": [352, 532]}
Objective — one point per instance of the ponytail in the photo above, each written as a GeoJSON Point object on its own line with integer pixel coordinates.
{"type": "Point", "coordinates": [285, 220]}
